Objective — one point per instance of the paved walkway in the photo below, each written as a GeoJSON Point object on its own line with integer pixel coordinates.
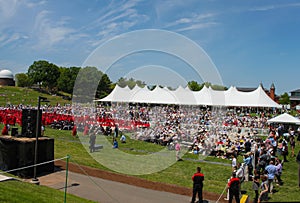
{"type": "Point", "coordinates": [106, 191]}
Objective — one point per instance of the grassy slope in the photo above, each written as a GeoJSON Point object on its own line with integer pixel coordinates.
{"type": "Point", "coordinates": [17, 191]}
{"type": "Point", "coordinates": [26, 96]}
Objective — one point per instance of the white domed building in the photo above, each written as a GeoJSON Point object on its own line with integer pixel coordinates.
{"type": "Point", "coordinates": [6, 78]}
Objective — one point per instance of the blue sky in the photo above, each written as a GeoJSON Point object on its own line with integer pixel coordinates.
{"type": "Point", "coordinates": [249, 41]}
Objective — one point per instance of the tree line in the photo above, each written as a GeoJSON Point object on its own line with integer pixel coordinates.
{"type": "Point", "coordinates": [54, 79]}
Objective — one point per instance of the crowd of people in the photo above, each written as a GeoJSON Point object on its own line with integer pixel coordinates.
{"type": "Point", "coordinates": [220, 132]}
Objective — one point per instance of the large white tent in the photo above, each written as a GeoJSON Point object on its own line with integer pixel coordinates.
{"type": "Point", "coordinates": [184, 96]}
{"type": "Point", "coordinates": [285, 118]}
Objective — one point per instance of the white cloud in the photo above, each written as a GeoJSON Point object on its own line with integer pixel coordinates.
{"type": "Point", "coordinates": [8, 8]}
{"type": "Point", "coordinates": [32, 4]}
{"type": "Point", "coordinates": [192, 22]}
{"type": "Point", "coordinates": [197, 26]}
{"type": "Point", "coordinates": [7, 39]}
{"type": "Point", "coordinates": [49, 32]}
{"type": "Point", "coordinates": [272, 7]}
{"type": "Point", "coordinates": [117, 18]}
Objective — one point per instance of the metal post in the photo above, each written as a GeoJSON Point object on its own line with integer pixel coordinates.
{"type": "Point", "coordinates": [38, 129]}
{"type": "Point", "coordinates": [35, 180]}
{"type": "Point", "coordinates": [66, 183]}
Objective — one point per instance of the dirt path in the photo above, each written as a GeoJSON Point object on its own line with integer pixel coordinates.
{"type": "Point", "coordinates": [135, 181]}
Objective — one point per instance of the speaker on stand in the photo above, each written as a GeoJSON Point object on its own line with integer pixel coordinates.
{"type": "Point", "coordinates": [29, 119]}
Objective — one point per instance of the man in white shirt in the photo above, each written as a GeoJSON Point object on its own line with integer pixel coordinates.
{"type": "Point", "coordinates": [233, 162]}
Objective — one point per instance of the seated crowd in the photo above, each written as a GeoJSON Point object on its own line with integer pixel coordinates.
{"type": "Point", "coordinates": [224, 133]}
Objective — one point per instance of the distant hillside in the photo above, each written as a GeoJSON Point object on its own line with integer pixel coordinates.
{"type": "Point", "coordinates": [26, 96]}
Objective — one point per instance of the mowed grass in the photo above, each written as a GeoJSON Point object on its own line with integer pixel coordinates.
{"type": "Point", "coordinates": [18, 191]}
{"type": "Point", "coordinates": [216, 175]}
{"type": "Point", "coordinates": [26, 96]}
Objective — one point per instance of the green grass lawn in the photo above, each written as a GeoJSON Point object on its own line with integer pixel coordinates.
{"type": "Point", "coordinates": [180, 173]}
{"type": "Point", "coordinates": [26, 96]}
{"type": "Point", "coordinates": [18, 191]}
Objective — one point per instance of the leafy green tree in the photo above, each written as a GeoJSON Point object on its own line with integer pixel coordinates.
{"type": "Point", "coordinates": [23, 80]}
{"type": "Point", "coordinates": [284, 98]}
{"type": "Point", "coordinates": [194, 86]}
{"type": "Point", "coordinates": [44, 73]}
{"type": "Point", "coordinates": [105, 87]}
{"type": "Point", "coordinates": [122, 82]}
{"type": "Point", "coordinates": [218, 87]}
{"type": "Point", "coordinates": [67, 79]}
{"type": "Point", "coordinates": [140, 83]}
{"type": "Point", "coordinates": [86, 84]}
{"type": "Point", "coordinates": [131, 83]}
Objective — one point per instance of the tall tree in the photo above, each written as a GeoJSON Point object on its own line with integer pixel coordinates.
{"type": "Point", "coordinates": [140, 83]}
{"type": "Point", "coordinates": [67, 79]}
{"type": "Point", "coordinates": [284, 98]}
{"type": "Point", "coordinates": [194, 86]}
{"type": "Point", "coordinates": [86, 84]}
{"type": "Point", "coordinates": [122, 82]}
{"type": "Point", "coordinates": [22, 80]}
{"type": "Point", "coordinates": [105, 87]}
{"type": "Point", "coordinates": [44, 73]}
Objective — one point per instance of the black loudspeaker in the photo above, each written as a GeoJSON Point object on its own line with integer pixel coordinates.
{"type": "Point", "coordinates": [29, 119]}
{"type": "Point", "coordinates": [18, 152]}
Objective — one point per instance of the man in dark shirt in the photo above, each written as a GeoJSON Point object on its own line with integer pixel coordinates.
{"type": "Point", "coordinates": [234, 188]}
{"type": "Point", "coordinates": [92, 141]}
{"type": "Point", "coordinates": [198, 179]}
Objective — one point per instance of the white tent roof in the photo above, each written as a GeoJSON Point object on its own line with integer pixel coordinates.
{"type": "Point", "coordinates": [233, 97]}
{"type": "Point", "coordinates": [184, 96]}
{"type": "Point", "coordinates": [119, 94]}
{"type": "Point", "coordinates": [141, 95]}
{"type": "Point", "coordinates": [284, 118]}
{"type": "Point", "coordinates": [259, 98]}
{"type": "Point", "coordinates": [203, 97]}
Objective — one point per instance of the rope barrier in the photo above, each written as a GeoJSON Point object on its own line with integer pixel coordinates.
{"type": "Point", "coordinates": [221, 194]}
{"type": "Point", "coordinates": [94, 181]}
{"type": "Point", "coordinates": [25, 167]}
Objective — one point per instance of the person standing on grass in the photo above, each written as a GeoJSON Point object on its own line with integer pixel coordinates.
{"type": "Point", "coordinates": [74, 131]}
{"type": "Point", "coordinates": [198, 179]}
{"type": "Point", "coordinates": [177, 148]}
{"type": "Point", "coordinates": [255, 185]}
{"type": "Point", "coordinates": [92, 141]}
{"type": "Point", "coordinates": [298, 161]}
{"type": "Point", "coordinates": [292, 143]}
{"type": "Point", "coordinates": [272, 170]}
{"type": "Point", "coordinates": [234, 188]}
{"type": "Point", "coordinates": [279, 171]}
{"type": "Point", "coordinates": [263, 196]}
{"type": "Point", "coordinates": [233, 162]}
{"type": "Point", "coordinates": [285, 150]}
{"type": "Point", "coordinates": [5, 130]}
